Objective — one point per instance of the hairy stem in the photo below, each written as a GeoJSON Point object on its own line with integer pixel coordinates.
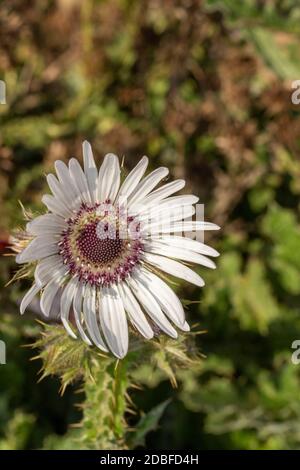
{"type": "Point", "coordinates": [103, 423]}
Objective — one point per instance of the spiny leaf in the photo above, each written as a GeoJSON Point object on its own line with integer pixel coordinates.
{"type": "Point", "coordinates": [148, 422]}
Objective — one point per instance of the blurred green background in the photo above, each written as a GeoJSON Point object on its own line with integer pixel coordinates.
{"type": "Point", "coordinates": [203, 87]}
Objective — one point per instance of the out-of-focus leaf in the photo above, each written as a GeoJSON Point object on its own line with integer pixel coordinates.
{"type": "Point", "coordinates": [147, 423]}
{"type": "Point", "coordinates": [18, 431]}
{"type": "Point", "coordinates": [276, 56]}
{"type": "Point", "coordinates": [281, 226]}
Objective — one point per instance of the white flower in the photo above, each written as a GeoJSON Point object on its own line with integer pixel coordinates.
{"type": "Point", "coordinates": [102, 246]}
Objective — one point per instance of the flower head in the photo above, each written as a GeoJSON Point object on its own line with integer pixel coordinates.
{"type": "Point", "coordinates": [103, 247]}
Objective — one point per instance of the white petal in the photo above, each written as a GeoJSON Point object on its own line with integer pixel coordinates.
{"type": "Point", "coordinates": [53, 205]}
{"type": "Point", "coordinates": [163, 192]}
{"type": "Point", "coordinates": [90, 169]}
{"type": "Point", "coordinates": [90, 317]}
{"type": "Point", "coordinates": [65, 304]}
{"type": "Point", "coordinates": [54, 312]}
{"type": "Point", "coordinates": [61, 193]}
{"type": "Point", "coordinates": [68, 184]}
{"type": "Point", "coordinates": [133, 179]}
{"type": "Point", "coordinates": [186, 327]}
{"type": "Point", "coordinates": [151, 306]}
{"type": "Point", "coordinates": [166, 219]}
{"type": "Point", "coordinates": [170, 203]}
{"type": "Point", "coordinates": [113, 321]}
{"type": "Point", "coordinates": [109, 178]}
{"type": "Point", "coordinates": [146, 185]}
{"type": "Point", "coordinates": [187, 243]}
{"type": "Point", "coordinates": [174, 268]}
{"type": "Point", "coordinates": [48, 296]}
{"type": "Point", "coordinates": [194, 225]}
{"type": "Point", "coordinates": [77, 308]}
{"type": "Point", "coordinates": [46, 223]}
{"type": "Point", "coordinates": [65, 179]}
{"type": "Point", "coordinates": [39, 248]}
{"type": "Point", "coordinates": [184, 226]}
{"type": "Point", "coordinates": [165, 296]}
{"type": "Point", "coordinates": [178, 253]}
{"type": "Point", "coordinates": [50, 293]}
{"type": "Point", "coordinates": [79, 180]}
{"type": "Point", "coordinates": [182, 200]}
{"type": "Point", "coordinates": [48, 269]}
{"type": "Point", "coordinates": [28, 297]}
{"type": "Point", "coordinates": [134, 311]}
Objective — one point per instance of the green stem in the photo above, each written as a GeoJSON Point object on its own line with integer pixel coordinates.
{"type": "Point", "coordinates": [120, 405]}
{"type": "Point", "coordinates": [103, 423]}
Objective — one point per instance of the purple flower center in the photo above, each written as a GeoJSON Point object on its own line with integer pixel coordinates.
{"type": "Point", "coordinates": [94, 250]}
{"type": "Point", "coordinates": [99, 248]}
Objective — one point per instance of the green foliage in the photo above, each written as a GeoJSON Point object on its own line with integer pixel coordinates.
{"type": "Point", "coordinates": [281, 227]}
{"type": "Point", "coordinates": [148, 422]}
{"type": "Point", "coordinates": [279, 58]}
{"type": "Point", "coordinates": [249, 292]}
{"type": "Point", "coordinates": [105, 383]}
{"type": "Point", "coordinates": [70, 360]}
{"type": "Point", "coordinates": [18, 431]}
{"type": "Point", "coordinates": [264, 25]}
{"type": "Point", "coordinates": [103, 420]}
{"type": "Point", "coordinates": [265, 411]}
